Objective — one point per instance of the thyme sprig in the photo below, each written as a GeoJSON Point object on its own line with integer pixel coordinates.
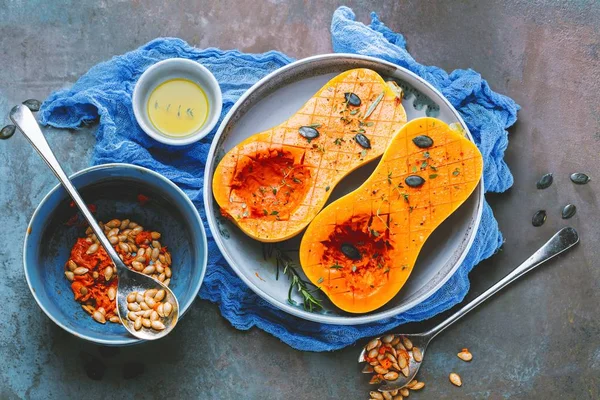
{"type": "Point", "coordinates": [297, 283]}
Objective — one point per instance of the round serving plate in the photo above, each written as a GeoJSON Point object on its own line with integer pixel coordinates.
{"type": "Point", "coordinates": [274, 99]}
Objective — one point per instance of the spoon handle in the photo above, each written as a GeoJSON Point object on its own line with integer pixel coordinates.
{"type": "Point", "coordinates": [23, 118]}
{"type": "Point", "coordinates": [561, 241]}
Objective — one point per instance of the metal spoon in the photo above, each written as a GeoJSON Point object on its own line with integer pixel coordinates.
{"type": "Point", "coordinates": [129, 280]}
{"type": "Point", "coordinates": [561, 241]}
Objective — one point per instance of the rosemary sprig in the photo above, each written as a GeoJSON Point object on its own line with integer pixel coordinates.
{"type": "Point", "coordinates": [373, 106]}
{"type": "Point", "coordinates": [309, 301]}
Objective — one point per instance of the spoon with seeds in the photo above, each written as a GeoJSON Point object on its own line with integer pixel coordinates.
{"type": "Point", "coordinates": [129, 280]}
{"type": "Point", "coordinates": [396, 358]}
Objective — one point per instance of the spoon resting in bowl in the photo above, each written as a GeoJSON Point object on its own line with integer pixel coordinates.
{"type": "Point", "coordinates": [129, 281]}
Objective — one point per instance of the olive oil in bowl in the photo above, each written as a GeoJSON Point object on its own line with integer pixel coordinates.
{"type": "Point", "coordinates": [178, 107]}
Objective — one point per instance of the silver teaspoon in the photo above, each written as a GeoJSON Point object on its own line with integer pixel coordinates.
{"type": "Point", "coordinates": [129, 281]}
{"type": "Point", "coordinates": [416, 344]}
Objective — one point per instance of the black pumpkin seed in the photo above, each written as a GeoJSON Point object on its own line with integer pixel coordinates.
{"type": "Point", "coordinates": [414, 181]}
{"type": "Point", "coordinates": [308, 132]}
{"type": "Point", "coordinates": [545, 181]}
{"type": "Point", "coordinates": [580, 179]}
{"type": "Point", "coordinates": [568, 211]}
{"type": "Point", "coordinates": [7, 131]}
{"type": "Point", "coordinates": [350, 251]}
{"type": "Point", "coordinates": [362, 140]}
{"type": "Point", "coordinates": [33, 104]}
{"type": "Point", "coordinates": [352, 99]}
{"type": "Point", "coordinates": [539, 218]}
{"type": "Point", "coordinates": [423, 141]}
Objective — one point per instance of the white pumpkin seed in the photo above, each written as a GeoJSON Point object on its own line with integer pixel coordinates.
{"type": "Point", "coordinates": [157, 325]}
{"type": "Point", "coordinates": [162, 277]}
{"type": "Point", "coordinates": [405, 371]}
{"type": "Point", "coordinates": [122, 237]}
{"type": "Point", "coordinates": [140, 259]}
{"type": "Point", "coordinates": [156, 244]}
{"type": "Point", "coordinates": [70, 275]}
{"type": "Point", "coordinates": [376, 395]}
{"type": "Point", "coordinates": [167, 308]}
{"type": "Point", "coordinates": [159, 268]}
{"type": "Point", "coordinates": [465, 355]}
{"type": "Point", "coordinates": [113, 232]}
{"type": "Point", "coordinates": [114, 319]}
{"type": "Point", "coordinates": [160, 310]}
{"type": "Point", "coordinates": [168, 272]}
{"type": "Point", "coordinates": [88, 230]}
{"type": "Point", "coordinates": [138, 266]}
{"type": "Point", "coordinates": [113, 240]}
{"type": "Point", "coordinates": [150, 293]}
{"type": "Point", "coordinates": [113, 223]}
{"type": "Point", "coordinates": [153, 316]}
{"type": "Point", "coordinates": [148, 270]}
{"type": "Point", "coordinates": [396, 367]}
{"type": "Point", "coordinates": [380, 357]}
{"type": "Point", "coordinates": [72, 266]}
{"type": "Point", "coordinates": [400, 346]}
{"type": "Point", "coordinates": [419, 386]}
{"type": "Point", "coordinates": [391, 376]}
{"type": "Point", "coordinates": [160, 295]}
{"type": "Point", "coordinates": [92, 249]}
{"type": "Point", "coordinates": [98, 317]}
{"type": "Point", "coordinates": [133, 307]}
{"type": "Point", "coordinates": [402, 361]}
{"type": "Point", "coordinates": [112, 293]}
{"type": "Point", "coordinates": [132, 225]}
{"type": "Point", "coordinates": [395, 341]}
{"type": "Point", "coordinates": [131, 316]}
{"type": "Point", "coordinates": [133, 248]}
{"type": "Point", "coordinates": [139, 297]}
{"type": "Point", "coordinates": [87, 308]}
{"type": "Point", "coordinates": [373, 353]}
{"type": "Point", "coordinates": [387, 339]}
{"type": "Point", "coordinates": [407, 343]}
{"type": "Point", "coordinates": [404, 392]}
{"type": "Point", "coordinates": [412, 383]}
{"type": "Point", "coordinates": [144, 306]}
{"type": "Point", "coordinates": [168, 257]}
{"type": "Point", "coordinates": [146, 323]}
{"type": "Point", "coordinates": [150, 301]}
{"type": "Point", "coordinates": [80, 271]}
{"type": "Point", "coordinates": [417, 355]}
{"type": "Point", "coordinates": [147, 313]}
{"type": "Point", "coordinates": [387, 395]}
{"type": "Point", "coordinates": [162, 258]}
{"type": "Point", "coordinates": [89, 240]}
{"type": "Point", "coordinates": [455, 379]}
{"type": "Point", "coordinates": [124, 246]}
{"type": "Point", "coordinates": [155, 253]}
{"type": "Point", "coordinates": [380, 370]}
{"type": "Point", "coordinates": [138, 229]}
{"type": "Point", "coordinates": [374, 363]}
{"type": "Point", "coordinates": [124, 224]}
{"type": "Point", "coordinates": [108, 273]}
{"type": "Point", "coordinates": [141, 251]}
{"type": "Point", "coordinates": [131, 297]}
{"type": "Point", "coordinates": [101, 310]}
{"type": "Point", "coordinates": [155, 235]}
{"type": "Point", "coordinates": [167, 281]}
{"type": "Point", "coordinates": [137, 324]}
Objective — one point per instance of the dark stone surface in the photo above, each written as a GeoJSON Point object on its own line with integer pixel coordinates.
{"type": "Point", "coordinates": [539, 339]}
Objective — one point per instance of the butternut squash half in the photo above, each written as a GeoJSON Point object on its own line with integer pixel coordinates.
{"type": "Point", "coordinates": [361, 249]}
{"type": "Point", "coordinates": [272, 184]}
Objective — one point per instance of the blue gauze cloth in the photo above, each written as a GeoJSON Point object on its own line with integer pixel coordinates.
{"type": "Point", "coordinates": [104, 94]}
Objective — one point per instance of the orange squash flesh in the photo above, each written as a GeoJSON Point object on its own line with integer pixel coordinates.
{"type": "Point", "coordinates": [272, 184]}
{"type": "Point", "coordinates": [388, 221]}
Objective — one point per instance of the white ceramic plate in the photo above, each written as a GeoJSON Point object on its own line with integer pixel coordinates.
{"type": "Point", "coordinates": [274, 99]}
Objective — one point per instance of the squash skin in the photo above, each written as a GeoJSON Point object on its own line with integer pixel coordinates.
{"type": "Point", "coordinates": [389, 224]}
{"type": "Point", "coordinates": [272, 184]}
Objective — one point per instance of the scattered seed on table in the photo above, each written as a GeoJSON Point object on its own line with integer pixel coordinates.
{"type": "Point", "coordinates": [465, 355]}
{"type": "Point", "coordinates": [545, 181]}
{"type": "Point", "coordinates": [455, 379]}
{"type": "Point", "coordinates": [418, 386]}
{"type": "Point", "coordinates": [580, 178]}
{"type": "Point", "coordinates": [568, 211]}
{"type": "Point", "coordinates": [539, 218]}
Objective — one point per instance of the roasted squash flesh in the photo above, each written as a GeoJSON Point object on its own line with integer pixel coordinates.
{"type": "Point", "coordinates": [272, 184]}
{"type": "Point", "coordinates": [361, 249]}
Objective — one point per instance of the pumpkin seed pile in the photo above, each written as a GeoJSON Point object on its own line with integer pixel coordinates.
{"type": "Point", "coordinates": [142, 254]}
{"type": "Point", "coordinates": [147, 309]}
{"type": "Point", "coordinates": [391, 354]}
{"type": "Point", "coordinates": [568, 211]}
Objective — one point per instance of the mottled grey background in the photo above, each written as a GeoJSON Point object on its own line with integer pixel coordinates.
{"type": "Point", "coordinates": [540, 339]}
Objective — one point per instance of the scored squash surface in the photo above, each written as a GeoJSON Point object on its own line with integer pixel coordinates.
{"type": "Point", "coordinates": [361, 249]}
{"type": "Point", "coordinates": [272, 184]}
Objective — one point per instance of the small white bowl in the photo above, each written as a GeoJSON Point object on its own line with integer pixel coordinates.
{"type": "Point", "coordinates": [171, 69]}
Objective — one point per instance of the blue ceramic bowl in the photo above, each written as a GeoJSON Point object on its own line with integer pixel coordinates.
{"type": "Point", "coordinates": [114, 190]}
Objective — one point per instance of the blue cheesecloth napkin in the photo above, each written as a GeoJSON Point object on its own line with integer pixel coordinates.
{"type": "Point", "coordinates": [104, 94]}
